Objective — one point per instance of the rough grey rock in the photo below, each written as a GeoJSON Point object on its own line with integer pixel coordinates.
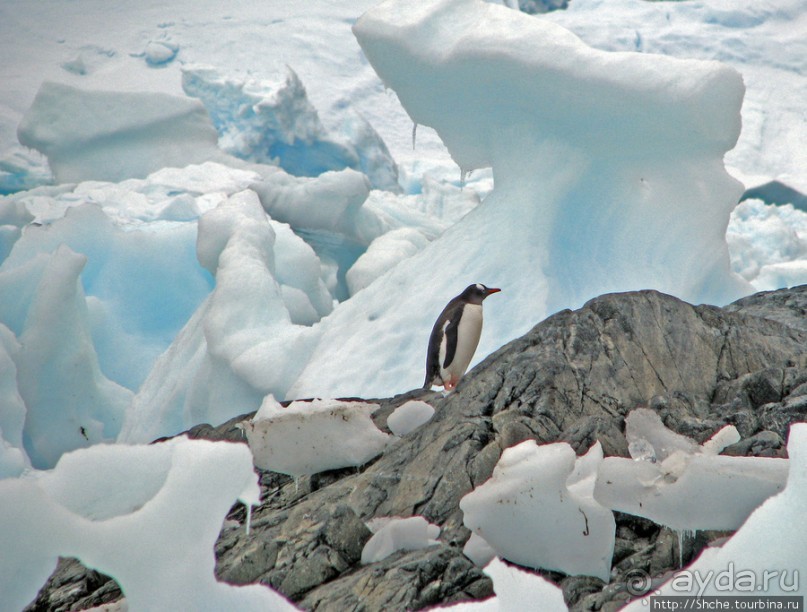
{"type": "Point", "coordinates": [787, 306]}
{"type": "Point", "coordinates": [573, 377]}
{"type": "Point", "coordinates": [74, 587]}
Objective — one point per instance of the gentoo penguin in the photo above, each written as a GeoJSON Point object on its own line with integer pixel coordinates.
{"type": "Point", "coordinates": [455, 336]}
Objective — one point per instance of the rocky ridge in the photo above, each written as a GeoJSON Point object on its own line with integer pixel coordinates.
{"type": "Point", "coordinates": [574, 377]}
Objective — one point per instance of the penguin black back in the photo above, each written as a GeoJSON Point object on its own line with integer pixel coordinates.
{"type": "Point", "coordinates": [445, 337]}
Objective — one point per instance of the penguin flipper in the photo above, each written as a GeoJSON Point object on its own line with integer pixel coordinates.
{"type": "Point", "coordinates": [451, 339]}
{"type": "Point", "coordinates": [433, 358]}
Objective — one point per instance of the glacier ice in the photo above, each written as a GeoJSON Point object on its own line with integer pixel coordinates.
{"type": "Point", "coordinates": [132, 321]}
{"type": "Point", "coordinates": [383, 254]}
{"type": "Point", "coordinates": [151, 238]}
{"type": "Point", "coordinates": [274, 122]}
{"type": "Point", "coordinates": [13, 459]}
{"type": "Point", "coordinates": [765, 545]}
{"type": "Point", "coordinates": [69, 403]}
{"type": "Point", "coordinates": [478, 551]}
{"type": "Point", "coordinates": [228, 357]}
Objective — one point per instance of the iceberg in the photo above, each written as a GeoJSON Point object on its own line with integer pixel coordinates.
{"type": "Point", "coordinates": [275, 123]}
{"type": "Point", "coordinates": [608, 173]}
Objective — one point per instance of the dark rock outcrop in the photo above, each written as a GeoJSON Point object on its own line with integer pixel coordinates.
{"type": "Point", "coordinates": [574, 377]}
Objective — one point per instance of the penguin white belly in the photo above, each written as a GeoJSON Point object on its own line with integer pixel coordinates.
{"type": "Point", "coordinates": [468, 333]}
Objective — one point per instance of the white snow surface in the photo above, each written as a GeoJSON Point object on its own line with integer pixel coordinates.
{"type": "Point", "coordinates": [738, 34]}
{"type": "Point", "coordinates": [137, 513]}
{"type": "Point", "coordinates": [478, 550]}
{"type": "Point", "coordinates": [93, 135]}
{"type": "Point", "coordinates": [538, 510]}
{"type": "Point", "coordinates": [270, 122]}
{"type": "Point", "coordinates": [768, 244]}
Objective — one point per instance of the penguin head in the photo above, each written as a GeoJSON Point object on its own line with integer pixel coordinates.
{"type": "Point", "coordinates": [476, 293]}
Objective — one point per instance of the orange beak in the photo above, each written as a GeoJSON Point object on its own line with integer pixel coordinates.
{"type": "Point", "coordinates": [493, 290]}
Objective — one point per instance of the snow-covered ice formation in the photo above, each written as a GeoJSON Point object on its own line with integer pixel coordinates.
{"type": "Point", "coordinates": [608, 176]}
{"type": "Point", "coordinates": [310, 437]}
{"type": "Point", "coordinates": [93, 135]}
{"type": "Point", "coordinates": [52, 364]}
{"type": "Point", "coordinates": [768, 244]}
{"type": "Point", "coordinates": [668, 472]}
{"type": "Point", "coordinates": [538, 510]}
{"type": "Point", "coordinates": [771, 145]}
{"type": "Point", "coordinates": [274, 122]}
{"type": "Point", "coordinates": [142, 281]}
{"type": "Point", "coordinates": [13, 459]}
{"type": "Point", "coordinates": [392, 534]}
{"type": "Point", "coordinates": [147, 515]}
{"type": "Point", "coordinates": [383, 254]}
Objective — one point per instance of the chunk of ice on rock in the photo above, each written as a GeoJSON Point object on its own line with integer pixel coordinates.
{"type": "Point", "coordinates": [310, 437]}
{"type": "Point", "coordinates": [538, 510]}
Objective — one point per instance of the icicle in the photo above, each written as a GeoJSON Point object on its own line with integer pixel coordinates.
{"type": "Point", "coordinates": [682, 538]}
{"type": "Point", "coordinates": [414, 134]}
{"type": "Point", "coordinates": [249, 517]}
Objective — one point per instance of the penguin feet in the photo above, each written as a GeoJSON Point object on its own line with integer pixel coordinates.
{"type": "Point", "coordinates": [450, 384]}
